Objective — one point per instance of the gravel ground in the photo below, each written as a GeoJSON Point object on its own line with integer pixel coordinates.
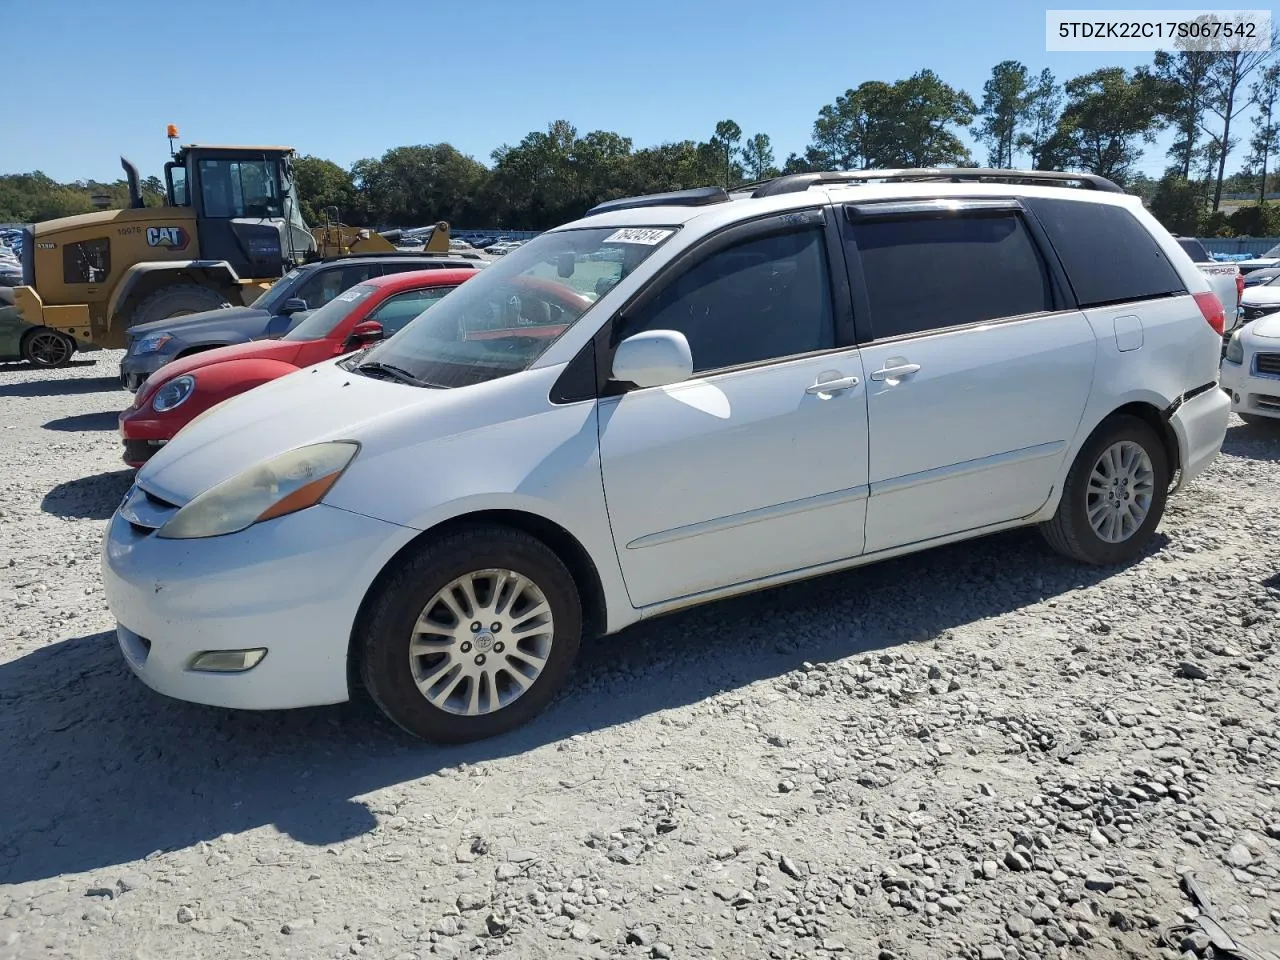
{"type": "Point", "coordinates": [980, 752]}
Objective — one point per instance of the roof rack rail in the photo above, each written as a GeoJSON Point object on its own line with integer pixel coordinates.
{"type": "Point", "coordinates": [799, 182]}
{"type": "Point", "coordinates": [697, 197]}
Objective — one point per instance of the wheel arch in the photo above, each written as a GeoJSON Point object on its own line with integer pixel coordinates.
{"type": "Point", "coordinates": [199, 348]}
{"type": "Point", "coordinates": [143, 279]}
{"type": "Point", "coordinates": [555, 537]}
{"type": "Point", "coordinates": [1158, 420]}
{"type": "Point", "coordinates": [27, 334]}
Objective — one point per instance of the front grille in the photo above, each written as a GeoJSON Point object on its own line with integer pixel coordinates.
{"type": "Point", "coordinates": [1265, 401]}
{"type": "Point", "coordinates": [1255, 313]}
{"type": "Point", "coordinates": [145, 511]}
{"type": "Point", "coordinates": [1267, 364]}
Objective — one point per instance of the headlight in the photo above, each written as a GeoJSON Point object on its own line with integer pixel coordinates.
{"type": "Point", "coordinates": [1235, 349]}
{"type": "Point", "coordinates": [290, 482]}
{"type": "Point", "coordinates": [173, 394]}
{"type": "Point", "coordinates": [151, 343]}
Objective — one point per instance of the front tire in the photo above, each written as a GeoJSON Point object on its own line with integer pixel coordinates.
{"type": "Point", "coordinates": [47, 348]}
{"type": "Point", "coordinates": [1114, 495]}
{"type": "Point", "coordinates": [429, 653]}
{"type": "Point", "coordinates": [177, 300]}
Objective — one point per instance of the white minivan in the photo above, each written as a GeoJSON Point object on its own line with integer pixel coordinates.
{"type": "Point", "coordinates": [675, 399]}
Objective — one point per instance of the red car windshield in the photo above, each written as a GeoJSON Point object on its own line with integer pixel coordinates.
{"type": "Point", "coordinates": [318, 325]}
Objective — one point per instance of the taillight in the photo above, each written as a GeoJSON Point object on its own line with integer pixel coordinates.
{"type": "Point", "coordinates": [1239, 285]}
{"type": "Point", "coordinates": [1211, 307]}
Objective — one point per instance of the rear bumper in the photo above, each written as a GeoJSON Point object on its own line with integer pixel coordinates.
{"type": "Point", "coordinates": [1200, 424]}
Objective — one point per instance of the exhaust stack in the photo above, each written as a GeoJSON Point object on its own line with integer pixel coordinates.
{"type": "Point", "coordinates": [135, 191]}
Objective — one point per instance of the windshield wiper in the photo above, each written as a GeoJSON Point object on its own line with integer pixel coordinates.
{"type": "Point", "coordinates": [396, 373]}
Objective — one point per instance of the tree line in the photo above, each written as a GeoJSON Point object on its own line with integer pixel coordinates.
{"type": "Point", "coordinates": [1102, 122]}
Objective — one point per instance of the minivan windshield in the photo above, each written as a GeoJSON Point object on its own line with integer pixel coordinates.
{"type": "Point", "coordinates": [500, 321]}
{"type": "Point", "coordinates": [318, 325]}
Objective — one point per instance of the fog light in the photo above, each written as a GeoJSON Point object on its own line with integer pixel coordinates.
{"type": "Point", "coordinates": [228, 661]}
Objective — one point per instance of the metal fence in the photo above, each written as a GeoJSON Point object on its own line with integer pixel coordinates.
{"type": "Point", "coordinates": [1253, 246]}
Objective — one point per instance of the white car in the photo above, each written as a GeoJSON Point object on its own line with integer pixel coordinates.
{"type": "Point", "coordinates": [1251, 370]}
{"type": "Point", "coordinates": [1260, 300]}
{"type": "Point", "coordinates": [766, 389]}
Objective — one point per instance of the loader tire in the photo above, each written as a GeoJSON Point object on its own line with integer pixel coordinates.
{"type": "Point", "coordinates": [177, 300]}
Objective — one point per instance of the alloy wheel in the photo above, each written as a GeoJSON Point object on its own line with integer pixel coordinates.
{"type": "Point", "coordinates": [481, 642]}
{"type": "Point", "coordinates": [1120, 492]}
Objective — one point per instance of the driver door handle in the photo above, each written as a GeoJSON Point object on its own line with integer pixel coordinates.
{"type": "Point", "coordinates": [896, 372]}
{"type": "Point", "coordinates": [833, 386]}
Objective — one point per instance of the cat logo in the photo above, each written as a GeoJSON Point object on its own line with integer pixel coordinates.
{"type": "Point", "coordinates": [172, 238]}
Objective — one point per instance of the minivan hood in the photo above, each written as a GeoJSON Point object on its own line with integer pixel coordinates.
{"type": "Point", "coordinates": [318, 403]}
{"type": "Point", "coordinates": [325, 402]}
{"type": "Point", "coordinates": [179, 324]}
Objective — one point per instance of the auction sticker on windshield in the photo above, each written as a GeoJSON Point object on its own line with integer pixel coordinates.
{"type": "Point", "coordinates": [645, 235]}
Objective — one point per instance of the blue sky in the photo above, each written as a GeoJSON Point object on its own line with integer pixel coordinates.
{"type": "Point", "coordinates": [346, 79]}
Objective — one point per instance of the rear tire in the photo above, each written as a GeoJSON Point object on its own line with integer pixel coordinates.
{"type": "Point", "coordinates": [177, 300]}
{"type": "Point", "coordinates": [47, 348]}
{"type": "Point", "coordinates": [427, 666]}
{"type": "Point", "coordinates": [1114, 495]}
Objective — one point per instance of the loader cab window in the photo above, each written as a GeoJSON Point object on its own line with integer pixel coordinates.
{"type": "Point", "coordinates": [240, 188]}
{"type": "Point", "coordinates": [86, 262]}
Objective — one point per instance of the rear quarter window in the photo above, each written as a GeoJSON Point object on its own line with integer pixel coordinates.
{"type": "Point", "coordinates": [1108, 255]}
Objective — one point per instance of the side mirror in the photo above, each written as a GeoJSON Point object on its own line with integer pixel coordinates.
{"type": "Point", "coordinates": [366, 331]}
{"type": "Point", "coordinates": [277, 327]}
{"type": "Point", "coordinates": [653, 359]}
{"type": "Point", "coordinates": [292, 305]}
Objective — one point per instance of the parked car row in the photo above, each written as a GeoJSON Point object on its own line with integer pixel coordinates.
{"type": "Point", "coordinates": [183, 389]}
{"type": "Point", "coordinates": [503, 247]}
{"type": "Point", "coordinates": [1251, 361]}
{"type": "Point", "coordinates": [672, 400]}
{"type": "Point", "coordinates": [305, 288]}
{"type": "Point", "coordinates": [20, 340]}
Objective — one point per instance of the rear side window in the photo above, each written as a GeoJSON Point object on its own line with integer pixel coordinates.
{"type": "Point", "coordinates": [930, 274]}
{"type": "Point", "coordinates": [1108, 255]}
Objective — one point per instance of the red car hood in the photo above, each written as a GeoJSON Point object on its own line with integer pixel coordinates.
{"type": "Point", "coordinates": [282, 350]}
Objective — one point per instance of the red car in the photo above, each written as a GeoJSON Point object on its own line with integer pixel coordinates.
{"type": "Point", "coordinates": [178, 392]}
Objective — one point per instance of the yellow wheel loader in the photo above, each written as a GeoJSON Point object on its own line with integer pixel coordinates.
{"type": "Point", "coordinates": [230, 227]}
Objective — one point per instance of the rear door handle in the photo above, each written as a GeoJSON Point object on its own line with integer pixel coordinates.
{"type": "Point", "coordinates": [833, 386]}
{"type": "Point", "coordinates": [895, 372]}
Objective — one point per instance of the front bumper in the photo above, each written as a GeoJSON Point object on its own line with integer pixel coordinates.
{"type": "Point", "coordinates": [1200, 425]}
{"type": "Point", "coordinates": [142, 435]}
{"type": "Point", "coordinates": [135, 368]}
{"type": "Point", "coordinates": [292, 585]}
{"type": "Point", "coordinates": [1251, 393]}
